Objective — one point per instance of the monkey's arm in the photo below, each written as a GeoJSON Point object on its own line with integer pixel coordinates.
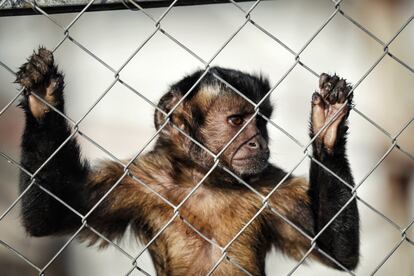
{"type": "Point", "coordinates": [312, 209]}
{"type": "Point", "coordinates": [65, 175]}
{"type": "Point", "coordinates": [327, 193]}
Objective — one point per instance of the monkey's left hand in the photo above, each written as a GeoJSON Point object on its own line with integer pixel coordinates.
{"type": "Point", "coordinates": [40, 76]}
{"type": "Point", "coordinates": [333, 94]}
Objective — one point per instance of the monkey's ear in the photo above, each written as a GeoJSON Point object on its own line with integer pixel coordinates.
{"type": "Point", "coordinates": [166, 103]}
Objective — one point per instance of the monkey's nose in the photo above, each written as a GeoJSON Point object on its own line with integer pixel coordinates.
{"type": "Point", "coordinates": [253, 145]}
{"type": "Point", "coordinates": [257, 143]}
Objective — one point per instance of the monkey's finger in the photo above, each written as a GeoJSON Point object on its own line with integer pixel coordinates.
{"type": "Point", "coordinates": [42, 67]}
{"type": "Point", "coordinates": [333, 96]}
{"type": "Point", "coordinates": [323, 79]}
{"type": "Point", "coordinates": [342, 93]}
{"type": "Point", "coordinates": [328, 87]}
{"type": "Point", "coordinates": [338, 92]}
{"type": "Point", "coordinates": [46, 55]}
{"type": "Point", "coordinates": [318, 112]}
{"type": "Point", "coordinates": [28, 76]}
{"type": "Point", "coordinates": [341, 90]}
{"type": "Point", "coordinates": [317, 100]}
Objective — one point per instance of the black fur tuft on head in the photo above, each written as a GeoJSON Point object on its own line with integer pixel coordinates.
{"type": "Point", "coordinates": [254, 87]}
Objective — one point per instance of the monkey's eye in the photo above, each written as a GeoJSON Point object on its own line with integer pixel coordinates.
{"type": "Point", "coordinates": [235, 120]}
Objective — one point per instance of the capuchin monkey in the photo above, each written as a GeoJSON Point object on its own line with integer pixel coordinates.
{"type": "Point", "coordinates": [220, 207]}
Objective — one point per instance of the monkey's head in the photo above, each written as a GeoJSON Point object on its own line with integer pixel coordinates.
{"type": "Point", "coordinates": [213, 113]}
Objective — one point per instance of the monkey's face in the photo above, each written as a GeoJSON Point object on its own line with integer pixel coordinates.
{"type": "Point", "coordinates": [212, 115]}
{"type": "Point", "coordinates": [248, 153]}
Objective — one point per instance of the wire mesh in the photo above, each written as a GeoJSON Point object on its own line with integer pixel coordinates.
{"type": "Point", "coordinates": [265, 204]}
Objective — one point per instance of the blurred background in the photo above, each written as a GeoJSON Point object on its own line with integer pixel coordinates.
{"type": "Point", "coordinates": [122, 122]}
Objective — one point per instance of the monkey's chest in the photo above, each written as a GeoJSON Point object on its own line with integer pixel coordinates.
{"type": "Point", "coordinates": [205, 233]}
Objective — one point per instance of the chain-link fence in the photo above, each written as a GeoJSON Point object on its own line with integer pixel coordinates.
{"type": "Point", "coordinates": [296, 61]}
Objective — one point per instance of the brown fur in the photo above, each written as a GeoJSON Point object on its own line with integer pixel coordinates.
{"type": "Point", "coordinates": [219, 208]}
{"type": "Point", "coordinates": [219, 213]}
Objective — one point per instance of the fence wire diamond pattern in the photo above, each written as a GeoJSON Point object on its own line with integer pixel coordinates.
{"type": "Point", "coordinates": [296, 61]}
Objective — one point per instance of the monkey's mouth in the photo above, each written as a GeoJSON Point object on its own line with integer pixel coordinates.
{"type": "Point", "coordinates": [262, 156]}
{"type": "Point", "coordinates": [250, 165]}
{"type": "Point", "coordinates": [248, 159]}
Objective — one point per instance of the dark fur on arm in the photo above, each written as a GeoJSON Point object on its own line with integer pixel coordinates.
{"type": "Point", "coordinates": [311, 206]}
{"type": "Point", "coordinates": [65, 175]}
{"type": "Point", "coordinates": [73, 181]}
{"type": "Point", "coordinates": [328, 195]}
{"type": "Point", "coordinates": [45, 130]}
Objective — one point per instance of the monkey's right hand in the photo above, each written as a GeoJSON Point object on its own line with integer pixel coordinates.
{"type": "Point", "coordinates": [40, 76]}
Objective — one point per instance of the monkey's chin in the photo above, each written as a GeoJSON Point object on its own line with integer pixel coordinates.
{"type": "Point", "coordinates": [249, 167]}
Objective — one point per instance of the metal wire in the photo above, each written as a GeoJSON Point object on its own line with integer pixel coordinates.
{"type": "Point", "coordinates": [263, 199]}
